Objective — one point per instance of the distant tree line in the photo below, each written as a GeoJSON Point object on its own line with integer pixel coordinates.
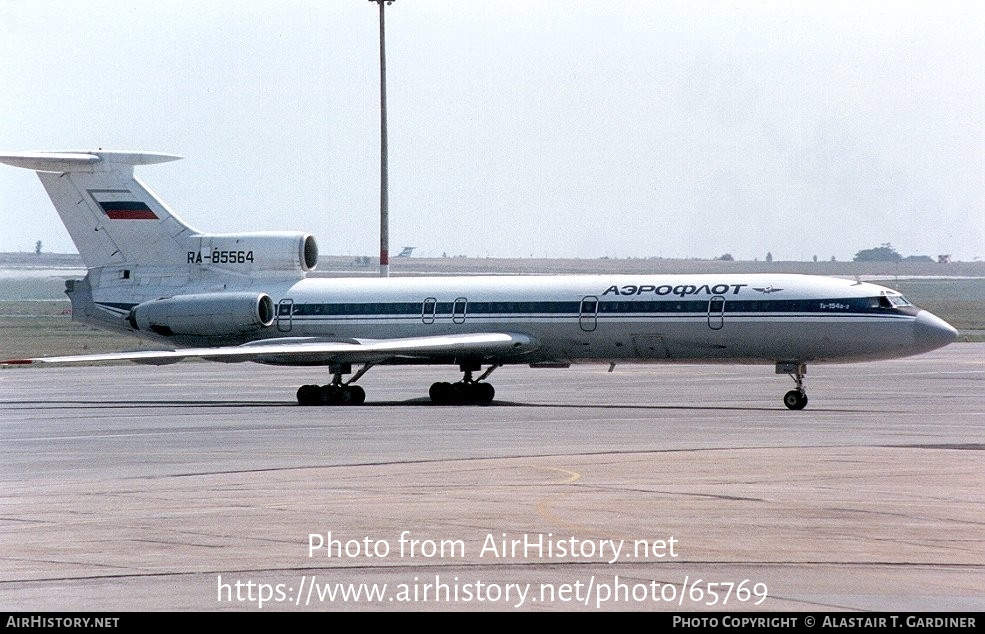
{"type": "Point", "coordinates": [886, 253]}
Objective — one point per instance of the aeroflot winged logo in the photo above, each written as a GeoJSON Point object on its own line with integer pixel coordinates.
{"type": "Point", "coordinates": [119, 204]}
{"type": "Point", "coordinates": [767, 290]}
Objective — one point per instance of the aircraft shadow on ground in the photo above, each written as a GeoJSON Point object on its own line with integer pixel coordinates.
{"type": "Point", "coordinates": [416, 402]}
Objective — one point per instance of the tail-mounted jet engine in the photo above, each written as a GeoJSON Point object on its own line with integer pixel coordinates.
{"type": "Point", "coordinates": [204, 315]}
{"type": "Point", "coordinates": [264, 254]}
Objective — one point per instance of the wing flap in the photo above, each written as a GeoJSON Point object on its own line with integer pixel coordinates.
{"type": "Point", "coordinates": [320, 352]}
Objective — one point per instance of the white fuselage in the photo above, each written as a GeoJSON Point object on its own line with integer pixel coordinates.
{"type": "Point", "coordinates": [760, 318]}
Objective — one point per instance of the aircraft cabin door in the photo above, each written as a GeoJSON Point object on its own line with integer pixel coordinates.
{"type": "Point", "coordinates": [285, 313]}
{"type": "Point", "coordinates": [428, 308]}
{"type": "Point", "coordinates": [588, 313]}
{"type": "Point", "coordinates": [716, 312]}
{"type": "Point", "coordinates": [458, 311]}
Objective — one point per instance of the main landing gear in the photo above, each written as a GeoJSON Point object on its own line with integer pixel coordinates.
{"type": "Point", "coordinates": [797, 398]}
{"type": "Point", "coordinates": [336, 392]}
{"type": "Point", "coordinates": [465, 392]}
{"type": "Point", "coordinates": [468, 391]}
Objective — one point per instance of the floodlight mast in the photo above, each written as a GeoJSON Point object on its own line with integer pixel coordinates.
{"type": "Point", "coordinates": [384, 182]}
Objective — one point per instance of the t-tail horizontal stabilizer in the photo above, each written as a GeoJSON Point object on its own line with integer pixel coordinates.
{"type": "Point", "coordinates": [82, 161]}
{"type": "Point", "coordinates": [112, 217]}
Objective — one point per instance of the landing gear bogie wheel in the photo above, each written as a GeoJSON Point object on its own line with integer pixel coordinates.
{"type": "Point", "coordinates": [440, 392]}
{"type": "Point", "coordinates": [461, 393]}
{"type": "Point", "coordinates": [484, 392]}
{"type": "Point", "coordinates": [352, 395]}
{"type": "Point", "coordinates": [331, 395]}
{"type": "Point", "coordinates": [309, 395]}
{"type": "Point", "coordinates": [468, 391]}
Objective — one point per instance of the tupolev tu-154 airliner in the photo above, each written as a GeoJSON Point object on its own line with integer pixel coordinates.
{"type": "Point", "coordinates": [249, 297]}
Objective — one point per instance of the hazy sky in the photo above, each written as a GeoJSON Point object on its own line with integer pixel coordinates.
{"type": "Point", "coordinates": [547, 128]}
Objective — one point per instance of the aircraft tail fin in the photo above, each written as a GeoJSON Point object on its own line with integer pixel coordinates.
{"type": "Point", "coordinates": [111, 216]}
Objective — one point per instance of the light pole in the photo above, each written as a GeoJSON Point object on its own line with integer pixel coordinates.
{"type": "Point", "coordinates": [384, 186]}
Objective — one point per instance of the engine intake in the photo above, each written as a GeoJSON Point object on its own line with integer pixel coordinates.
{"type": "Point", "coordinates": [204, 315]}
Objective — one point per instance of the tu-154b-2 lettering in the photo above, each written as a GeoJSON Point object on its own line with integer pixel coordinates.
{"type": "Point", "coordinates": [249, 297]}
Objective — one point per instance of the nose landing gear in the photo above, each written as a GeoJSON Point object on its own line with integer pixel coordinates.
{"type": "Point", "coordinates": [797, 398]}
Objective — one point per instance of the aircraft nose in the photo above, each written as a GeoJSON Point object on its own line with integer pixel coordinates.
{"type": "Point", "coordinates": [931, 332]}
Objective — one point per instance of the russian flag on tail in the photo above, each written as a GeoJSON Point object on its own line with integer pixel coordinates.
{"type": "Point", "coordinates": [121, 204]}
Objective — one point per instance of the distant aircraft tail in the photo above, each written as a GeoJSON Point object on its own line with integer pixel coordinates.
{"type": "Point", "coordinates": [111, 216]}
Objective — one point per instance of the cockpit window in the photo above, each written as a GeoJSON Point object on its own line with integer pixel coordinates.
{"type": "Point", "coordinates": [889, 301]}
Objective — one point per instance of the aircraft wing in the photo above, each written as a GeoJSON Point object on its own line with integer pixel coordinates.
{"type": "Point", "coordinates": [316, 351]}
